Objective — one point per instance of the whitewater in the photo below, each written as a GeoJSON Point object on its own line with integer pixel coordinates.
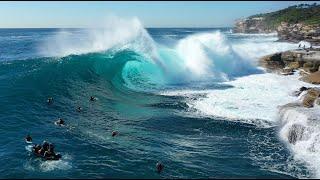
{"type": "Point", "coordinates": [192, 98]}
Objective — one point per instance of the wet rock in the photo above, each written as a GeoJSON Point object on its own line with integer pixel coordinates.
{"type": "Point", "coordinates": [297, 93]}
{"type": "Point", "coordinates": [313, 78]}
{"type": "Point", "coordinates": [295, 133]}
{"type": "Point", "coordinates": [272, 62]}
{"type": "Point", "coordinates": [287, 71]}
{"type": "Point", "coordinates": [310, 97]}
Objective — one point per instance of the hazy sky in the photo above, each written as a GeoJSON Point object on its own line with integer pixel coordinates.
{"type": "Point", "coordinates": [151, 14]}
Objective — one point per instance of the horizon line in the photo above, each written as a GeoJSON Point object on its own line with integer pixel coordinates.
{"type": "Point", "coordinates": [103, 27]}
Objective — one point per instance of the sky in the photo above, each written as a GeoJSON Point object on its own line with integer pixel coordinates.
{"type": "Point", "coordinates": [81, 14]}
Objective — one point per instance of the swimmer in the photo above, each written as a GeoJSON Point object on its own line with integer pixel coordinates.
{"type": "Point", "coordinates": [114, 133]}
{"type": "Point", "coordinates": [159, 167]}
{"type": "Point", "coordinates": [59, 122]}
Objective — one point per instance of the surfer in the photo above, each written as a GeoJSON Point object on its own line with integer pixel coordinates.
{"type": "Point", "coordinates": [37, 148]}
{"type": "Point", "coordinates": [50, 100]}
{"type": "Point", "coordinates": [46, 151]}
{"type": "Point", "coordinates": [159, 167]}
{"type": "Point", "coordinates": [41, 149]}
{"type": "Point", "coordinates": [49, 152]}
{"type": "Point", "coordinates": [79, 109]}
{"type": "Point", "coordinates": [92, 98]}
{"type": "Point", "coordinates": [59, 122]}
{"type": "Point", "coordinates": [28, 138]}
{"type": "Point", "coordinates": [114, 133]}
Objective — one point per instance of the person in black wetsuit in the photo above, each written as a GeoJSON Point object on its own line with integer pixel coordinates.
{"type": "Point", "coordinates": [59, 122]}
{"type": "Point", "coordinates": [79, 109]}
{"type": "Point", "coordinates": [159, 167]}
{"type": "Point", "coordinates": [49, 153]}
{"type": "Point", "coordinates": [114, 133]}
{"type": "Point", "coordinates": [28, 138]}
{"type": "Point", "coordinates": [44, 148]}
{"type": "Point", "coordinates": [37, 147]}
{"type": "Point", "coordinates": [50, 100]}
{"type": "Point", "coordinates": [92, 98]}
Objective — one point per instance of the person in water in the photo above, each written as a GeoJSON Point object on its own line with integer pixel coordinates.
{"type": "Point", "coordinates": [28, 138]}
{"type": "Point", "coordinates": [43, 148]}
{"type": "Point", "coordinates": [50, 100]}
{"type": "Point", "coordinates": [92, 98]}
{"type": "Point", "coordinates": [37, 148]}
{"type": "Point", "coordinates": [159, 167]}
{"type": "Point", "coordinates": [59, 122]}
{"type": "Point", "coordinates": [79, 109]}
{"type": "Point", "coordinates": [49, 152]}
{"type": "Point", "coordinates": [114, 133]}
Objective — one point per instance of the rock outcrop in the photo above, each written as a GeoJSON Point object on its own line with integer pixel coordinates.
{"type": "Point", "coordinates": [310, 97]}
{"type": "Point", "coordinates": [308, 61]}
{"type": "Point", "coordinates": [298, 32]}
{"type": "Point", "coordinates": [252, 25]}
{"type": "Point", "coordinates": [313, 78]}
{"type": "Point", "coordinates": [293, 24]}
{"type": "Point", "coordinates": [295, 133]}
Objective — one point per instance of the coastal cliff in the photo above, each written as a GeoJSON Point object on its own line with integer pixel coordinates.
{"type": "Point", "coordinates": [295, 23]}
{"type": "Point", "coordinates": [252, 25]}
{"type": "Point", "coordinates": [298, 32]}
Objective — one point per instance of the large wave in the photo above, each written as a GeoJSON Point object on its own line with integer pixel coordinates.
{"type": "Point", "coordinates": [197, 57]}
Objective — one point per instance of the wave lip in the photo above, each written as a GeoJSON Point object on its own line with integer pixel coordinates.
{"type": "Point", "coordinates": [115, 33]}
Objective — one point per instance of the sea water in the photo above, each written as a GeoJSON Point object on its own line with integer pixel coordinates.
{"type": "Point", "coordinates": [192, 98]}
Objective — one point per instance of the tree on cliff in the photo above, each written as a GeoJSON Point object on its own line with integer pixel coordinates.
{"type": "Point", "coordinates": [302, 13]}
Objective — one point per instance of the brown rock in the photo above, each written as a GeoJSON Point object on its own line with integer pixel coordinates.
{"type": "Point", "coordinates": [310, 97]}
{"type": "Point", "coordinates": [294, 65]}
{"type": "Point", "coordinates": [272, 61]}
{"type": "Point", "coordinates": [313, 78]}
{"type": "Point", "coordinates": [287, 71]}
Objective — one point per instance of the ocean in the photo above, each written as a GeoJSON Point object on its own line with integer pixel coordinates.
{"type": "Point", "coordinates": [191, 98]}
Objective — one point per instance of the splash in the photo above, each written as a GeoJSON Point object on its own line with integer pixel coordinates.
{"type": "Point", "coordinates": [300, 129]}
{"type": "Point", "coordinates": [115, 32]}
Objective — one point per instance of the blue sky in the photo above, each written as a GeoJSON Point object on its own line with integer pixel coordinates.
{"type": "Point", "coordinates": [151, 14]}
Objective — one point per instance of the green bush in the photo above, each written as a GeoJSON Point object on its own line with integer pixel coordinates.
{"type": "Point", "coordinates": [302, 13]}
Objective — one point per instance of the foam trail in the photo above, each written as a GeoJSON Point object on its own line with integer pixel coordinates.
{"type": "Point", "coordinates": [251, 99]}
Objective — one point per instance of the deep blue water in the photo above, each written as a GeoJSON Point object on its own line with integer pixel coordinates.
{"type": "Point", "coordinates": [152, 127]}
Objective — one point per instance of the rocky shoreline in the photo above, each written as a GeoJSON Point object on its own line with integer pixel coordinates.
{"type": "Point", "coordinates": [307, 61]}
{"type": "Point", "coordinates": [300, 120]}
{"type": "Point", "coordinates": [286, 32]}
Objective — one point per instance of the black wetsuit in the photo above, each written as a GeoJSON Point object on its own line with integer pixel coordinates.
{"type": "Point", "coordinates": [28, 138]}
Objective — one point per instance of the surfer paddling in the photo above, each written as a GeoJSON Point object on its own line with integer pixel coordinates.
{"type": "Point", "coordinates": [50, 100]}
{"type": "Point", "coordinates": [92, 98]}
{"type": "Point", "coordinates": [28, 139]}
{"type": "Point", "coordinates": [60, 122]}
{"type": "Point", "coordinates": [46, 151]}
{"type": "Point", "coordinates": [79, 109]}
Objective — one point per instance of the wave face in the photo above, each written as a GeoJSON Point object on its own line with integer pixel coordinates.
{"type": "Point", "coordinates": [192, 98]}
